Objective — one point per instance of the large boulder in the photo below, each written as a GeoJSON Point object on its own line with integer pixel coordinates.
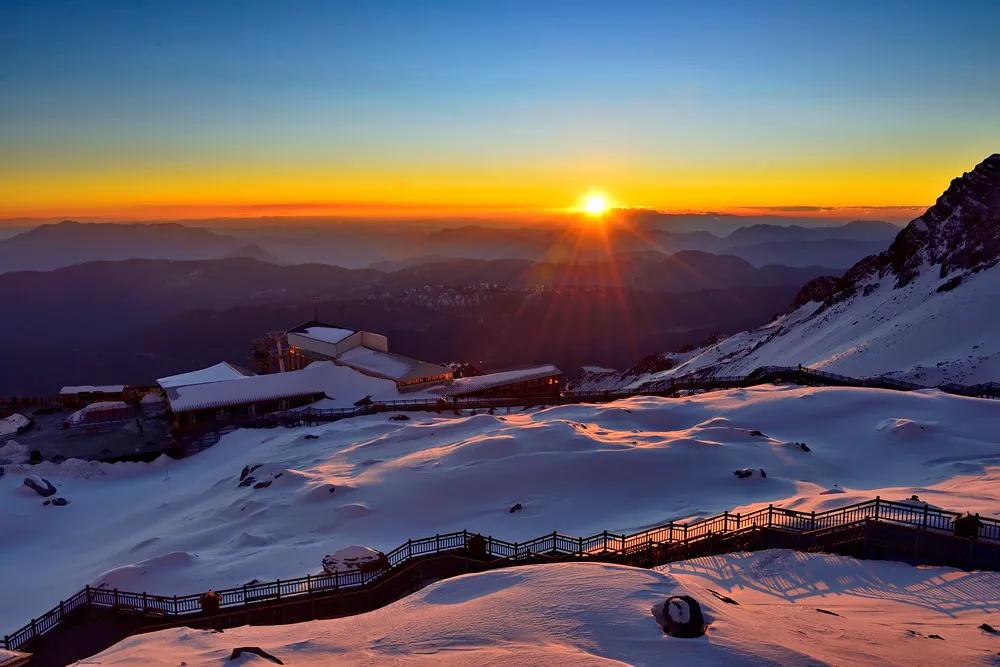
{"type": "Point", "coordinates": [682, 617]}
{"type": "Point", "coordinates": [354, 558]}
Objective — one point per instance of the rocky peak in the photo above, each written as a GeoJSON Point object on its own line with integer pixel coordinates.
{"type": "Point", "coordinates": [959, 234]}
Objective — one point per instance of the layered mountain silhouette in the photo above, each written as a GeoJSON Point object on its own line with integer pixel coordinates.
{"type": "Point", "coordinates": [64, 244]}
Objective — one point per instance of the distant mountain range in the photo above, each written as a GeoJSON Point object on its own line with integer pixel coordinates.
{"type": "Point", "coordinates": [55, 246]}
{"type": "Point", "coordinates": [131, 320]}
{"type": "Point", "coordinates": [924, 309]}
{"type": "Point", "coordinates": [64, 244]}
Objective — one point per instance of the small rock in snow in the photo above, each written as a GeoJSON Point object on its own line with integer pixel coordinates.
{"type": "Point", "coordinates": [42, 487]}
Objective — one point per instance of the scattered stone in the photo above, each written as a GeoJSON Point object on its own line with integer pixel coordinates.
{"type": "Point", "coordinates": [724, 598]}
{"type": "Point", "coordinates": [42, 487]}
{"type": "Point", "coordinates": [59, 502]}
{"type": "Point", "coordinates": [262, 485]}
{"type": "Point", "coordinates": [682, 617]}
{"type": "Point", "coordinates": [516, 508]}
{"type": "Point", "coordinates": [256, 650]}
{"type": "Point", "coordinates": [757, 434]}
{"type": "Point", "coordinates": [310, 436]}
{"type": "Point", "coordinates": [827, 611]}
{"type": "Point", "coordinates": [247, 469]}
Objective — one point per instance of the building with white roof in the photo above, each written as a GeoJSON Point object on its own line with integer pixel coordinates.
{"type": "Point", "coordinates": [87, 393]}
{"type": "Point", "coordinates": [364, 351]}
{"type": "Point", "coordinates": [217, 373]}
{"type": "Point", "coordinates": [332, 367]}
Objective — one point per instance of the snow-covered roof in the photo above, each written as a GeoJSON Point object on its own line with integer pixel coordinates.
{"type": "Point", "coordinates": [326, 334]}
{"type": "Point", "coordinates": [92, 389]}
{"type": "Point", "coordinates": [250, 388]}
{"type": "Point", "coordinates": [388, 365]}
{"type": "Point", "coordinates": [470, 385]}
{"type": "Point", "coordinates": [217, 373]}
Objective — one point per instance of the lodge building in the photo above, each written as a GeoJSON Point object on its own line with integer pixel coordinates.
{"type": "Point", "coordinates": [364, 351]}
{"type": "Point", "coordinates": [326, 366]}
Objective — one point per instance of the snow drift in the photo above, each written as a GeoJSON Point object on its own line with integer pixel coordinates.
{"type": "Point", "coordinates": [791, 609]}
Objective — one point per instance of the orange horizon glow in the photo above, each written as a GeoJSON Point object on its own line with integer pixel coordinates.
{"type": "Point", "coordinates": [847, 190]}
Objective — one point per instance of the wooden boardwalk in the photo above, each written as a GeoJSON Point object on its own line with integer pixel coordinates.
{"type": "Point", "coordinates": [95, 618]}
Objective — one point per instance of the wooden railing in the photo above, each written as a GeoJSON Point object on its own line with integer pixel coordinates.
{"type": "Point", "coordinates": [604, 545]}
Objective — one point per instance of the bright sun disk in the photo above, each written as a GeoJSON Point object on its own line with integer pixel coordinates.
{"type": "Point", "coordinates": [595, 204]}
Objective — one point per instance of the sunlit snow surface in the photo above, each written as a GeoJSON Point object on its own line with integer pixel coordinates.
{"type": "Point", "coordinates": [915, 333]}
{"type": "Point", "coordinates": [184, 526]}
{"type": "Point", "coordinates": [587, 614]}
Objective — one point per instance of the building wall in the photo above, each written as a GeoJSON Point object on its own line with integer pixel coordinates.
{"type": "Point", "coordinates": [374, 341]}
{"type": "Point", "coordinates": [86, 398]}
{"type": "Point", "coordinates": [243, 411]}
{"type": "Point", "coordinates": [324, 351]}
{"type": "Point", "coordinates": [538, 388]}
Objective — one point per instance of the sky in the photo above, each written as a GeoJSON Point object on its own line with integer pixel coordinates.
{"type": "Point", "coordinates": [180, 109]}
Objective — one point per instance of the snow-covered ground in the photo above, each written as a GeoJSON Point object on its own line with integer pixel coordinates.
{"type": "Point", "coordinates": [184, 526]}
{"type": "Point", "coordinates": [588, 614]}
{"type": "Point", "coordinates": [914, 333]}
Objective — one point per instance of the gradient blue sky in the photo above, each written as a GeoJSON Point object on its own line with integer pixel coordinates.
{"type": "Point", "coordinates": [131, 106]}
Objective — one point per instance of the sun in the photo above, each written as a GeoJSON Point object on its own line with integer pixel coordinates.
{"type": "Point", "coordinates": [595, 203]}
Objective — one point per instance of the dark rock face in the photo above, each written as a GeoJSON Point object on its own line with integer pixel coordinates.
{"type": "Point", "coordinates": [654, 363]}
{"type": "Point", "coordinates": [959, 233]}
{"type": "Point", "coordinates": [818, 289]}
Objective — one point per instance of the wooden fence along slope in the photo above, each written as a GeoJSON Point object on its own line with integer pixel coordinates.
{"type": "Point", "coordinates": [664, 543]}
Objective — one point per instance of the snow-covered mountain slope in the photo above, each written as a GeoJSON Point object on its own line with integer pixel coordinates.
{"type": "Point", "coordinates": [588, 614]}
{"type": "Point", "coordinates": [923, 310]}
{"type": "Point", "coordinates": [185, 526]}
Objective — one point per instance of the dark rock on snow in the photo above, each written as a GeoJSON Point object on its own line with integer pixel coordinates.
{"type": "Point", "coordinates": [256, 650]}
{"type": "Point", "coordinates": [247, 469]}
{"type": "Point", "coordinates": [42, 487]}
{"type": "Point", "coordinates": [682, 617]}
